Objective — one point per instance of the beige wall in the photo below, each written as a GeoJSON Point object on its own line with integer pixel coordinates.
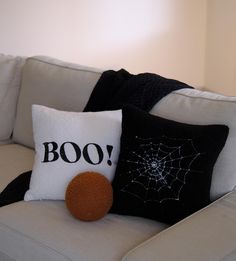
{"type": "Point", "coordinates": [162, 36]}
{"type": "Point", "coordinates": [221, 47]}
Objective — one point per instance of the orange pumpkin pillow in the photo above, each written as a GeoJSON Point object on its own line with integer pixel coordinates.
{"type": "Point", "coordinates": [89, 196]}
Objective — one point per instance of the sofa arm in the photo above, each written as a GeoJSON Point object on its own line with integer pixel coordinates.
{"type": "Point", "coordinates": [209, 234]}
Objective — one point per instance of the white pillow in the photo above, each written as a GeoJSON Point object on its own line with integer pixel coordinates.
{"type": "Point", "coordinates": [200, 107]}
{"type": "Point", "coordinates": [68, 143]}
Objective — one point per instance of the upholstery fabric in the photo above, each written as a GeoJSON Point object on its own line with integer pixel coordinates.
{"type": "Point", "coordinates": [10, 78]}
{"type": "Point", "coordinates": [199, 107]}
{"type": "Point", "coordinates": [4, 257]}
{"type": "Point", "coordinates": [209, 234]}
{"type": "Point", "coordinates": [52, 83]}
{"type": "Point", "coordinates": [47, 231]}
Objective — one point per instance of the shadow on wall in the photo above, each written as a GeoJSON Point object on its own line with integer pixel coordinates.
{"type": "Point", "coordinates": [152, 37]}
{"type": "Point", "coordinates": [148, 56]}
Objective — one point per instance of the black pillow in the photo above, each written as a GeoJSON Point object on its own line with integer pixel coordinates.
{"type": "Point", "coordinates": [165, 167]}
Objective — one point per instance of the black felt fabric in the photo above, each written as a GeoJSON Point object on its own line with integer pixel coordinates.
{"type": "Point", "coordinates": [15, 190]}
{"type": "Point", "coordinates": [164, 169]}
{"type": "Point", "coordinates": [115, 89]}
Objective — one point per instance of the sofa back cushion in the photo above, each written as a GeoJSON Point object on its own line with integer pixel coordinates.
{"type": "Point", "coordinates": [52, 83]}
{"type": "Point", "coordinates": [199, 107]}
{"type": "Point", "coordinates": [10, 77]}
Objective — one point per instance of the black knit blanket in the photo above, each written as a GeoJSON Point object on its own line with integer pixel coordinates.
{"type": "Point", "coordinates": [113, 90]}
{"type": "Point", "coordinates": [117, 88]}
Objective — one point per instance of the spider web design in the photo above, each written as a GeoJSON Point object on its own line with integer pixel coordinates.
{"type": "Point", "coordinates": [158, 167]}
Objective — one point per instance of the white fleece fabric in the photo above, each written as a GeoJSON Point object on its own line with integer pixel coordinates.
{"type": "Point", "coordinates": [69, 143]}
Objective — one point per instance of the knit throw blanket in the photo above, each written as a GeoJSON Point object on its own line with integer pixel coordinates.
{"type": "Point", "coordinates": [113, 90]}
{"type": "Point", "coordinates": [116, 89]}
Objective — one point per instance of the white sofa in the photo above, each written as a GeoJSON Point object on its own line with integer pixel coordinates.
{"type": "Point", "coordinates": [45, 230]}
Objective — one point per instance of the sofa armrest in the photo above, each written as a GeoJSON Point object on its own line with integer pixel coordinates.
{"type": "Point", "coordinates": [209, 234]}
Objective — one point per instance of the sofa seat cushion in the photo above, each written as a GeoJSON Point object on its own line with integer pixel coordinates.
{"type": "Point", "coordinates": [44, 230]}
{"type": "Point", "coordinates": [14, 160]}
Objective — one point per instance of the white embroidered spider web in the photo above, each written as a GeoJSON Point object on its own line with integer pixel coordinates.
{"type": "Point", "coordinates": [158, 168]}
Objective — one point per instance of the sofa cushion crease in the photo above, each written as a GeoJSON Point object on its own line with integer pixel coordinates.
{"type": "Point", "coordinates": [42, 245]}
{"type": "Point", "coordinates": [5, 257]}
